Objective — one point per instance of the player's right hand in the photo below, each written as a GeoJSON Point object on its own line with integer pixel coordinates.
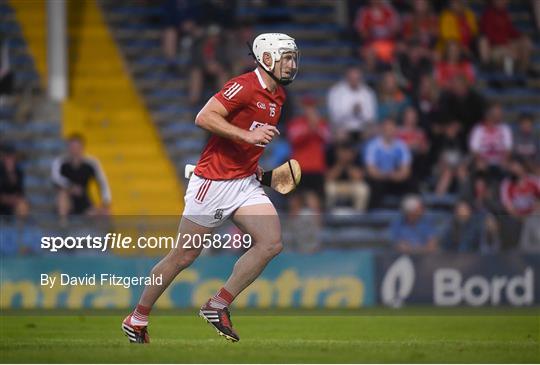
{"type": "Point", "coordinates": [262, 135]}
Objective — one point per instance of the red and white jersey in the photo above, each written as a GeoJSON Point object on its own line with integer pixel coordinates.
{"type": "Point", "coordinates": [492, 143]}
{"type": "Point", "coordinates": [250, 105]}
{"type": "Point", "coordinates": [521, 195]}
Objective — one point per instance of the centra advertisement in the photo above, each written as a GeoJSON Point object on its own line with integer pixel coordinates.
{"type": "Point", "coordinates": [330, 279]}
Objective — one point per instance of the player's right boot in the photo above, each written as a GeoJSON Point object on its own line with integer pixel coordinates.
{"type": "Point", "coordinates": [135, 334]}
{"type": "Point", "coordinates": [220, 318]}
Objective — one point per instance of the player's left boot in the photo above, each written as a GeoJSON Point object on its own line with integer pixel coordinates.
{"type": "Point", "coordinates": [220, 318]}
{"type": "Point", "coordinates": [135, 334]}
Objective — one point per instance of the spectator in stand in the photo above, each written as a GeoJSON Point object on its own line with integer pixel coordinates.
{"type": "Point", "coordinates": [491, 143]}
{"type": "Point", "coordinates": [427, 102]}
{"type": "Point", "coordinates": [415, 52]}
{"type": "Point", "coordinates": [352, 106]}
{"type": "Point", "coordinates": [7, 78]}
{"type": "Point", "coordinates": [392, 101]}
{"type": "Point", "coordinates": [421, 25]}
{"type": "Point", "coordinates": [461, 103]}
{"type": "Point", "coordinates": [527, 143]}
{"type": "Point", "coordinates": [414, 64]}
{"type": "Point", "coordinates": [308, 134]}
{"type": "Point", "coordinates": [520, 191]}
{"type": "Point", "coordinates": [486, 207]}
{"type": "Point", "coordinates": [209, 67]}
{"type": "Point", "coordinates": [529, 241]}
{"type": "Point", "coordinates": [12, 200]}
{"type": "Point", "coordinates": [413, 232]}
{"type": "Point", "coordinates": [453, 65]}
{"type": "Point", "coordinates": [449, 153]}
{"type": "Point", "coordinates": [415, 138]}
{"type": "Point", "coordinates": [377, 25]}
{"type": "Point", "coordinates": [458, 23]}
{"type": "Point", "coordinates": [388, 162]}
{"type": "Point", "coordinates": [501, 41]}
{"type": "Point", "coordinates": [180, 19]}
{"type": "Point", "coordinates": [345, 179]}
{"type": "Point", "coordinates": [464, 233]}
{"type": "Point", "coordinates": [484, 197]}
{"type": "Point", "coordinates": [243, 61]}
{"type": "Point", "coordinates": [72, 173]}
{"type": "Point", "coordinates": [520, 196]}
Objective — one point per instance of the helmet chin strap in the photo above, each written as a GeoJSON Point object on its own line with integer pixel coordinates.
{"type": "Point", "coordinates": [279, 81]}
{"type": "Point", "coordinates": [271, 74]}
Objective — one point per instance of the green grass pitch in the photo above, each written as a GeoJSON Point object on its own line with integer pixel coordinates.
{"type": "Point", "coordinates": [323, 336]}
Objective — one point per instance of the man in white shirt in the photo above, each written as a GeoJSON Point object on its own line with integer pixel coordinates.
{"type": "Point", "coordinates": [491, 141]}
{"type": "Point", "coordinates": [352, 106]}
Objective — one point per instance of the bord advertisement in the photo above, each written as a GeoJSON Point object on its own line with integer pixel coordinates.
{"type": "Point", "coordinates": [329, 279]}
{"type": "Point", "coordinates": [458, 279]}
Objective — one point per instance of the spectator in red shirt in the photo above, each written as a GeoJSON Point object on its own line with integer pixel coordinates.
{"type": "Point", "coordinates": [410, 133]}
{"type": "Point", "coordinates": [308, 135]}
{"type": "Point", "coordinates": [520, 192]}
{"type": "Point", "coordinates": [422, 25]}
{"type": "Point", "coordinates": [453, 65]}
{"type": "Point", "coordinates": [520, 196]}
{"type": "Point", "coordinates": [378, 26]}
{"type": "Point", "coordinates": [502, 42]}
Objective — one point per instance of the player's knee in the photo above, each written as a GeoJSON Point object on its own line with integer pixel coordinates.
{"type": "Point", "coordinates": [273, 249]}
{"type": "Point", "coordinates": [187, 259]}
{"type": "Point", "coordinates": [184, 259]}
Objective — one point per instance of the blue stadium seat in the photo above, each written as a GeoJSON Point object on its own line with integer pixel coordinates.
{"type": "Point", "coordinates": [9, 27]}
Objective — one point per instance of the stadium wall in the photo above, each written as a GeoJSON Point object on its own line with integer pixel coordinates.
{"type": "Point", "coordinates": [326, 280]}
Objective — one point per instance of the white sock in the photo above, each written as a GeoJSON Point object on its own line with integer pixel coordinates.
{"type": "Point", "coordinates": [138, 319]}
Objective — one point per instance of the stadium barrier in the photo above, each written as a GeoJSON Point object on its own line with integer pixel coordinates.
{"type": "Point", "coordinates": [329, 279]}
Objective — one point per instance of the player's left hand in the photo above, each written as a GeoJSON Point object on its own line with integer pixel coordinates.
{"type": "Point", "coordinates": [261, 135]}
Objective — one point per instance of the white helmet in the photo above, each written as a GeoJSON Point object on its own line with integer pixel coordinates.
{"type": "Point", "coordinates": [276, 44]}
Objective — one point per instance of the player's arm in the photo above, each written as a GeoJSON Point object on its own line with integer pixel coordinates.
{"type": "Point", "coordinates": [212, 118]}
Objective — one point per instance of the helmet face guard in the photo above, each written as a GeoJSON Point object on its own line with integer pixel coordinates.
{"type": "Point", "coordinates": [288, 65]}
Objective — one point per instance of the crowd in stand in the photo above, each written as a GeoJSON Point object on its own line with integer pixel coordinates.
{"type": "Point", "coordinates": [425, 129]}
{"type": "Point", "coordinates": [405, 121]}
{"type": "Point", "coordinates": [406, 118]}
